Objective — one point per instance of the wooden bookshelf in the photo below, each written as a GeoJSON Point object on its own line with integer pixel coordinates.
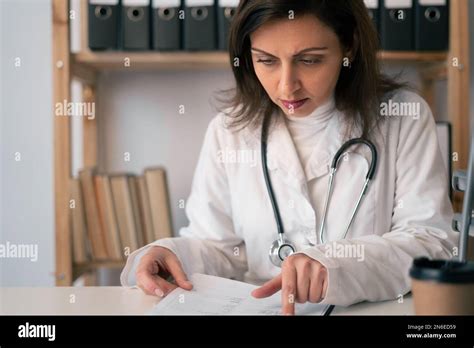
{"type": "Point", "coordinates": [87, 65]}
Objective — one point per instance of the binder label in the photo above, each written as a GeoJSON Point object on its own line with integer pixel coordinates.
{"type": "Point", "coordinates": [104, 2]}
{"type": "Point", "coordinates": [136, 2]}
{"type": "Point", "coordinates": [372, 3]}
{"type": "Point", "coordinates": [166, 3]}
{"type": "Point", "coordinates": [190, 3]}
{"type": "Point", "coordinates": [398, 3]}
{"type": "Point", "coordinates": [228, 3]}
{"type": "Point", "coordinates": [432, 2]}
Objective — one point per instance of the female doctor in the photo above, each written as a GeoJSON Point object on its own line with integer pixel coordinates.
{"type": "Point", "coordinates": [309, 70]}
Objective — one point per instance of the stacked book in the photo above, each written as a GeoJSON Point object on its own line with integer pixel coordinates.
{"type": "Point", "coordinates": [113, 215]}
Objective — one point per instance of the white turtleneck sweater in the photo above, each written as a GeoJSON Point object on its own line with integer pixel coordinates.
{"type": "Point", "coordinates": [306, 130]}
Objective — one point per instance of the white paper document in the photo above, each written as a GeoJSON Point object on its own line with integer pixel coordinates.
{"type": "Point", "coordinates": [220, 296]}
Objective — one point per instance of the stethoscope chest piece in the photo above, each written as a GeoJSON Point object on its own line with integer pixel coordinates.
{"type": "Point", "coordinates": [280, 250]}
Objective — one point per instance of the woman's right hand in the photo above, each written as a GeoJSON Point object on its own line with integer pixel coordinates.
{"type": "Point", "coordinates": [154, 269]}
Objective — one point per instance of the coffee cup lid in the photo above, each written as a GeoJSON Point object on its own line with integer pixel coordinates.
{"type": "Point", "coordinates": [444, 271]}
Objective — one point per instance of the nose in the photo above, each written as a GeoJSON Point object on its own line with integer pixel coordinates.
{"type": "Point", "coordinates": [289, 81]}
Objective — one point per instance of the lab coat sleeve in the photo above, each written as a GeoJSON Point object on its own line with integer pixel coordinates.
{"type": "Point", "coordinates": [208, 244]}
{"type": "Point", "coordinates": [420, 226]}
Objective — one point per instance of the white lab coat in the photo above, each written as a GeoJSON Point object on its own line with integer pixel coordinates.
{"type": "Point", "coordinates": [405, 214]}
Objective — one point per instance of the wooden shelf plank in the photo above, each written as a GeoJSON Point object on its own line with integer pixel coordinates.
{"type": "Point", "coordinates": [459, 88]}
{"type": "Point", "coordinates": [62, 143]}
{"type": "Point", "coordinates": [197, 60]}
{"type": "Point", "coordinates": [413, 56]}
{"type": "Point", "coordinates": [151, 60]}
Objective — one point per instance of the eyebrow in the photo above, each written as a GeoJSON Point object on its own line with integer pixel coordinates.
{"type": "Point", "coordinates": [297, 54]}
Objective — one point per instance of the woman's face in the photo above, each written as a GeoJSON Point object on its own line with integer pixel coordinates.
{"type": "Point", "coordinates": [295, 60]}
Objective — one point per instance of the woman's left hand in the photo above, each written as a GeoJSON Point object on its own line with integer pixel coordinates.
{"type": "Point", "coordinates": [302, 279]}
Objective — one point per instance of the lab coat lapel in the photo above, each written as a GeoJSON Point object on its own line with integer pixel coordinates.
{"type": "Point", "coordinates": [331, 141]}
{"type": "Point", "coordinates": [283, 157]}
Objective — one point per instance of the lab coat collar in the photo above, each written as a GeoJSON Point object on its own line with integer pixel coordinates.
{"type": "Point", "coordinates": [282, 155]}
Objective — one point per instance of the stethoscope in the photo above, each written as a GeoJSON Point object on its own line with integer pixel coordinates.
{"type": "Point", "coordinates": [281, 248]}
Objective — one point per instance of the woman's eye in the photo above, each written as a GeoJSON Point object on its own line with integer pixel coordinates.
{"type": "Point", "coordinates": [266, 61]}
{"type": "Point", "coordinates": [310, 61]}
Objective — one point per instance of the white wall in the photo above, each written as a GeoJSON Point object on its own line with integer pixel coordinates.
{"type": "Point", "coordinates": [27, 214]}
{"type": "Point", "coordinates": [139, 114]}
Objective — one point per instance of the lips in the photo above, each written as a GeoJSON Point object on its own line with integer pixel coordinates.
{"type": "Point", "coordinates": [294, 104]}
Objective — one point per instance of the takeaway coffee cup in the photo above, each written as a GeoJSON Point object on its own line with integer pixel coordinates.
{"type": "Point", "coordinates": [442, 287]}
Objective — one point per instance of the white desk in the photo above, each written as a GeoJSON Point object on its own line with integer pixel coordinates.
{"type": "Point", "coordinates": [114, 300]}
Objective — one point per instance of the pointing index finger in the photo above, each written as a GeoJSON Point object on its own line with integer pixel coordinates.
{"type": "Point", "coordinates": [288, 290]}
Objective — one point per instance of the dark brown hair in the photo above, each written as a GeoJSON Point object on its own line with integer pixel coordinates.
{"type": "Point", "coordinates": [360, 88]}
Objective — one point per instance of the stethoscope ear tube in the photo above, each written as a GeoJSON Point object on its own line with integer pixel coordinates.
{"type": "Point", "coordinates": [368, 178]}
{"type": "Point", "coordinates": [348, 144]}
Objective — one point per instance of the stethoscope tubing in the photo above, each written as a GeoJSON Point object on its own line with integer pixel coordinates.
{"type": "Point", "coordinates": [334, 165]}
{"type": "Point", "coordinates": [369, 176]}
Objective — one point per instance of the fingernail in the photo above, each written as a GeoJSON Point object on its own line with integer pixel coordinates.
{"type": "Point", "coordinates": [159, 293]}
